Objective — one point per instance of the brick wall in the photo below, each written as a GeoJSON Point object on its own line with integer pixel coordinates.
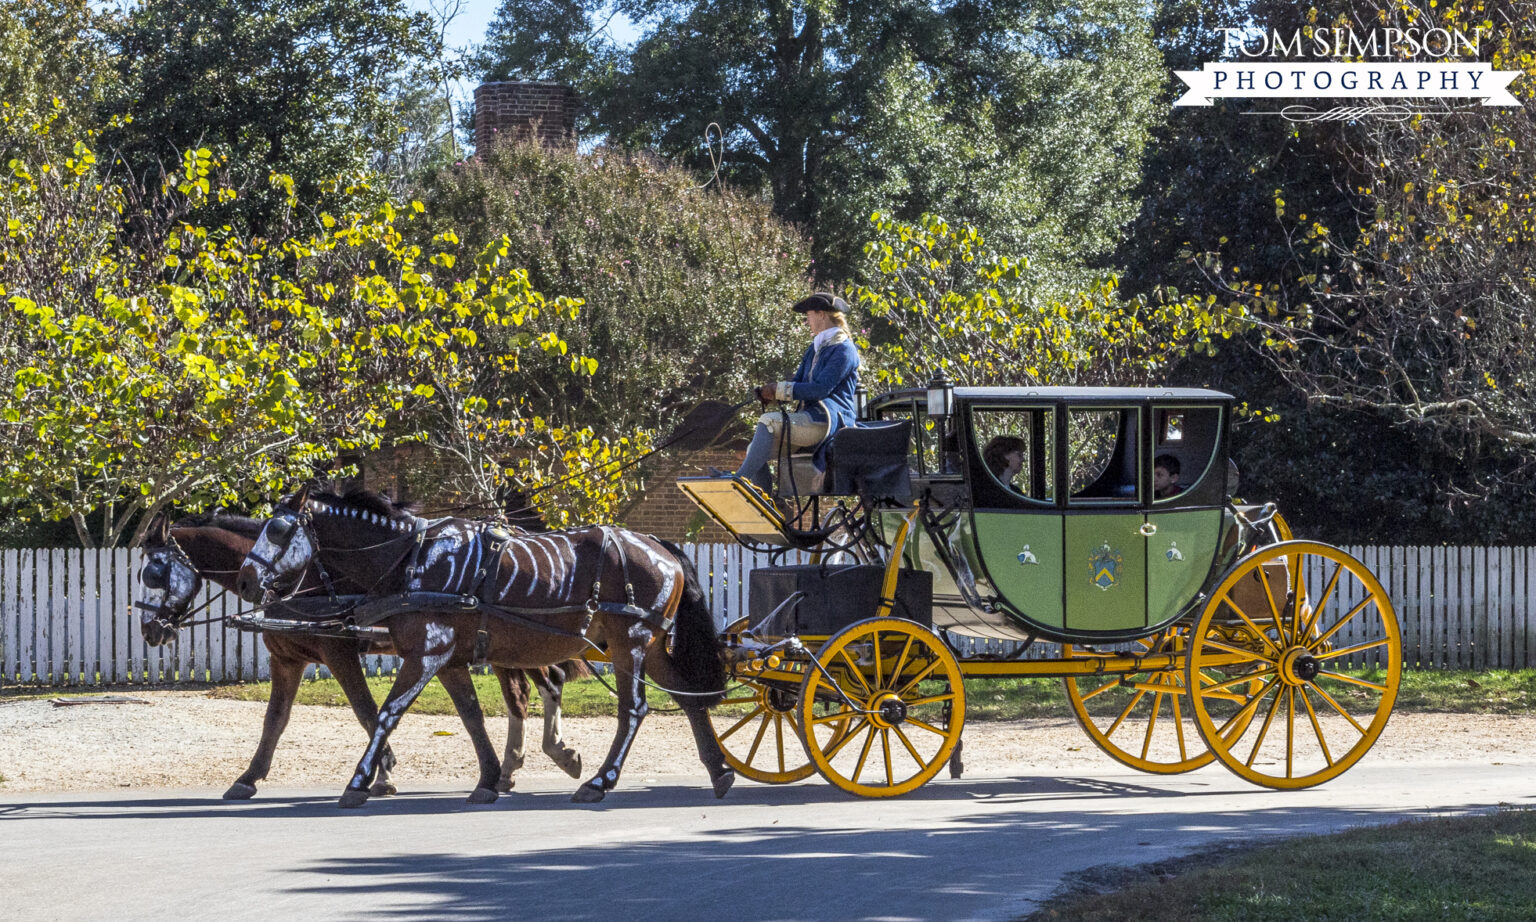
{"type": "Point", "coordinates": [665, 511]}
{"type": "Point", "coordinates": [521, 110]}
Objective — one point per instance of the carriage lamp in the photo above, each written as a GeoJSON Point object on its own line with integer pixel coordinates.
{"type": "Point", "coordinates": [861, 402]}
{"type": "Point", "coordinates": [941, 396]}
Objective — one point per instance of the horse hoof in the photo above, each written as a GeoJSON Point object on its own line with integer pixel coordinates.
{"type": "Point", "coordinates": [505, 785]}
{"type": "Point", "coordinates": [723, 783]}
{"type": "Point", "coordinates": [572, 765]}
{"type": "Point", "coordinates": [588, 794]}
{"type": "Point", "coordinates": [956, 767]}
{"type": "Point", "coordinates": [351, 799]}
{"type": "Point", "coordinates": [383, 789]}
{"type": "Point", "coordinates": [482, 796]}
{"type": "Point", "coordinates": [240, 791]}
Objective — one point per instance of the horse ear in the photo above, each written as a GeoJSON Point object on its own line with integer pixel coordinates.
{"type": "Point", "coordinates": [301, 497]}
{"type": "Point", "coordinates": [160, 528]}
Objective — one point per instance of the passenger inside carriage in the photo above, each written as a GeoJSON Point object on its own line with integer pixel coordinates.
{"type": "Point", "coordinates": [1004, 457]}
{"type": "Point", "coordinates": [1165, 477]}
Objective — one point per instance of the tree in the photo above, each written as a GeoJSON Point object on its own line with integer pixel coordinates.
{"type": "Point", "coordinates": [150, 360]}
{"type": "Point", "coordinates": [559, 40]}
{"type": "Point", "coordinates": [684, 291]}
{"type": "Point", "coordinates": [1026, 119]}
{"type": "Point", "coordinates": [306, 88]}
{"type": "Point", "coordinates": [951, 303]}
{"type": "Point", "coordinates": [54, 63]}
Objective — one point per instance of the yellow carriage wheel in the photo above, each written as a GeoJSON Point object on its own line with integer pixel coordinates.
{"type": "Point", "coordinates": [884, 712]}
{"type": "Point", "coordinates": [758, 728]}
{"type": "Point", "coordinates": [1307, 648]}
{"type": "Point", "coordinates": [1143, 719]}
{"type": "Point", "coordinates": [1139, 719]}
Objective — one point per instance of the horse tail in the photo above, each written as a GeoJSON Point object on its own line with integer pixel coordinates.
{"type": "Point", "coordinates": [696, 648]}
{"type": "Point", "coordinates": [576, 669]}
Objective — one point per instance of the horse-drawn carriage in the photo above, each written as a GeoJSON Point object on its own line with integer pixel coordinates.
{"type": "Point", "coordinates": [1186, 625]}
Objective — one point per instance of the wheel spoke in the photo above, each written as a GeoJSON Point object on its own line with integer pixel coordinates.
{"type": "Point", "coordinates": [836, 715]}
{"type": "Point", "coordinates": [885, 747]}
{"type": "Point", "coordinates": [778, 733]}
{"type": "Point", "coordinates": [835, 747]}
{"type": "Point", "coordinates": [911, 749]}
{"type": "Point", "coordinates": [1316, 727]}
{"type": "Point", "coordinates": [1157, 708]}
{"type": "Point", "coordinates": [1222, 686]}
{"type": "Point", "coordinates": [1297, 567]}
{"type": "Point", "coordinates": [901, 661]}
{"type": "Point", "coordinates": [742, 722]}
{"type": "Point", "coordinates": [926, 726]}
{"type": "Point", "coordinates": [762, 730]}
{"type": "Point", "coordinates": [1178, 728]}
{"type": "Point", "coordinates": [1332, 654]}
{"type": "Point", "coordinates": [1274, 610]}
{"type": "Point", "coordinates": [1135, 700]}
{"type": "Point", "coordinates": [1264, 730]}
{"type": "Point", "coordinates": [869, 740]}
{"type": "Point", "coordinates": [931, 699]}
{"type": "Point", "coordinates": [1246, 655]}
{"type": "Point", "coordinates": [1335, 705]}
{"type": "Point", "coordinates": [1322, 602]}
{"type": "Point", "coordinates": [927, 671]}
{"type": "Point", "coordinates": [1246, 711]}
{"type": "Point", "coordinates": [853, 669]}
{"type": "Point", "coordinates": [1368, 600]}
{"type": "Point", "coordinates": [1112, 683]}
{"type": "Point", "coordinates": [747, 700]}
{"type": "Point", "coordinates": [874, 641]}
{"type": "Point", "coordinates": [1349, 679]}
{"type": "Point", "coordinates": [1258, 631]}
{"type": "Point", "coordinates": [1290, 731]}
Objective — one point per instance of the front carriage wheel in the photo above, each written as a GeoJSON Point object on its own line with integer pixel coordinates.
{"type": "Point", "coordinates": [758, 728]}
{"type": "Point", "coordinates": [883, 713]}
{"type": "Point", "coordinates": [1297, 660]}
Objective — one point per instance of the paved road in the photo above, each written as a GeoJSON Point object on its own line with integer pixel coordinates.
{"type": "Point", "coordinates": [660, 849]}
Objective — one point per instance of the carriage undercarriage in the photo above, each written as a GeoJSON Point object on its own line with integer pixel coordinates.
{"type": "Point", "coordinates": [1283, 666]}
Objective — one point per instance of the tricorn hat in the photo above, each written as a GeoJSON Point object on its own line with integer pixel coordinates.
{"type": "Point", "coordinates": [821, 301]}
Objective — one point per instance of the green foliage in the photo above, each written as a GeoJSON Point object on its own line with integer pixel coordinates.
{"type": "Point", "coordinates": [951, 303]}
{"type": "Point", "coordinates": [683, 290]}
{"type": "Point", "coordinates": [306, 89]}
{"type": "Point", "coordinates": [149, 360]}
{"type": "Point", "coordinates": [559, 40]}
{"type": "Point", "coordinates": [53, 62]}
{"type": "Point", "coordinates": [975, 111]}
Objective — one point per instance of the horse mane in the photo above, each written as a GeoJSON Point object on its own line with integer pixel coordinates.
{"type": "Point", "coordinates": [367, 501]}
{"type": "Point", "coordinates": [217, 519]}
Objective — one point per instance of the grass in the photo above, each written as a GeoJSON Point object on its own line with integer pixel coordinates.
{"type": "Point", "coordinates": [1463, 868]}
{"type": "Point", "coordinates": [1500, 691]}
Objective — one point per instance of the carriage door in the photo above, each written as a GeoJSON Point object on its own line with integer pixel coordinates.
{"type": "Point", "coordinates": [1186, 522]}
{"type": "Point", "coordinates": [1104, 570]}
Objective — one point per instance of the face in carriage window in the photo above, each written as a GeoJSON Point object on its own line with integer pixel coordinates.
{"type": "Point", "coordinates": [1017, 447]}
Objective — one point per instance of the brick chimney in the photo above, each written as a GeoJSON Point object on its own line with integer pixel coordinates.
{"type": "Point", "coordinates": [520, 110]}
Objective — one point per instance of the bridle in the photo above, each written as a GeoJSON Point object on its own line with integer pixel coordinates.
{"type": "Point", "coordinates": [280, 532]}
{"type": "Point", "coordinates": [161, 613]}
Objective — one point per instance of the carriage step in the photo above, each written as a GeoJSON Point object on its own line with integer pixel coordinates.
{"type": "Point", "coordinates": [739, 507]}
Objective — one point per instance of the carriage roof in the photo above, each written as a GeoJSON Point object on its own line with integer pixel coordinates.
{"type": "Point", "coordinates": [1076, 394]}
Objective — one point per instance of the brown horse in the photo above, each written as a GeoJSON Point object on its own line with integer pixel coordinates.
{"type": "Point", "coordinates": [539, 599]}
{"type": "Point", "coordinates": [179, 556]}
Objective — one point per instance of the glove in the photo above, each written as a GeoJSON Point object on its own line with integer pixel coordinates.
{"type": "Point", "coordinates": [767, 392]}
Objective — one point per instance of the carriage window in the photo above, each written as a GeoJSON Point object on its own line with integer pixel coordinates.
{"type": "Point", "coordinates": [1101, 454]}
{"type": "Point", "coordinates": [1018, 447]}
{"type": "Point", "coordinates": [1183, 449]}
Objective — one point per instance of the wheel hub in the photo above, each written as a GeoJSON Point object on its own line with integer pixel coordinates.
{"type": "Point", "coordinates": [887, 710]}
{"type": "Point", "coordinates": [1298, 666]}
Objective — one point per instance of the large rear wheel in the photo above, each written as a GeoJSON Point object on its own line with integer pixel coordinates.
{"type": "Point", "coordinates": [1304, 649]}
{"type": "Point", "coordinates": [883, 712]}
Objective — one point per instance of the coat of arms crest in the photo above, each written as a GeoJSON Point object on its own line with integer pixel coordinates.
{"type": "Point", "coordinates": [1104, 567]}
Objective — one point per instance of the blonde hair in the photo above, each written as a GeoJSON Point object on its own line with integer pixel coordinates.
{"type": "Point", "coordinates": [840, 320]}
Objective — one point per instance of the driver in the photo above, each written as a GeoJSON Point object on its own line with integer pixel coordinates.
{"type": "Point", "coordinates": [823, 386]}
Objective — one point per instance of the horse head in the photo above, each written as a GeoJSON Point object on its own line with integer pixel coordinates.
{"type": "Point", "coordinates": [284, 549]}
{"type": "Point", "coordinates": [168, 582]}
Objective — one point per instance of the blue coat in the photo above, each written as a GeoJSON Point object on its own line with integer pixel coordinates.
{"type": "Point", "coordinates": [828, 380]}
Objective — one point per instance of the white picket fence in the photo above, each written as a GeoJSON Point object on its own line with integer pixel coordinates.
{"type": "Point", "coordinates": [66, 616]}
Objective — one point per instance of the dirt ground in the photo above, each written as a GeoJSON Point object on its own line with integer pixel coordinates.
{"type": "Point", "coordinates": [186, 739]}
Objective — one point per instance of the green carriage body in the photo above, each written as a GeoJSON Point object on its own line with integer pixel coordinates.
{"type": "Point", "coordinates": [1078, 547]}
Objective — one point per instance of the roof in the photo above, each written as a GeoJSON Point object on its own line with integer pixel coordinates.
{"type": "Point", "coordinates": [1086, 394]}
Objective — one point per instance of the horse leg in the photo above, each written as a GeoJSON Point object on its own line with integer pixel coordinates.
{"type": "Point", "coordinates": [550, 684]}
{"type": "Point", "coordinates": [419, 663]}
{"type": "Point", "coordinates": [347, 670]}
{"type": "Point", "coordinates": [286, 673]}
{"type": "Point", "coordinates": [515, 694]}
{"type": "Point", "coordinates": [721, 775]}
{"type": "Point", "coordinates": [461, 688]}
{"type": "Point", "coordinates": [626, 659]}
